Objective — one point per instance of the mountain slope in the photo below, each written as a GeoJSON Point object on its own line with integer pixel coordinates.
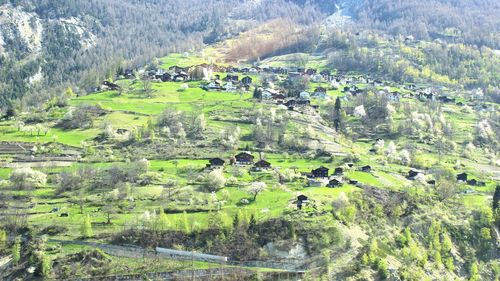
{"type": "Point", "coordinates": [462, 21]}
{"type": "Point", "coordinates": [44, 44]}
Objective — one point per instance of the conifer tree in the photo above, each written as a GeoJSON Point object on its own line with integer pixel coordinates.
{"type": "Point", "coordinates": [16, 250]}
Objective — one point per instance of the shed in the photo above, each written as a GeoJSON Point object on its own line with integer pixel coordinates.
{"type": "Point", "coordinates": [366, 168]}
{"type": "Point", "coordinates": [263, 164]}
{"type": "Point", "coordinates": [462, 177]}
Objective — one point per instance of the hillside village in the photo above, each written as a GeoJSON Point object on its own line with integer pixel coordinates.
{"type": "Point", "coordinates": [263, 158]}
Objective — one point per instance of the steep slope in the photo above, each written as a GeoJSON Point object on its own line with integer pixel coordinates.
{"type": "Point", "coordinates": [460, 21]}
{"type": "Point", "coordinates": [80, 42]}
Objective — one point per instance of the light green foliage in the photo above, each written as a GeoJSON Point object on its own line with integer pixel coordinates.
{"type": "Point", "coordinates": [86, 228]}
{"type": "Point", "coordinates": [3, 239]}
{"type": "Point", "coordinates": [486, 233]}
{"type": "Point", "coordinates": [45, 266]}
{"type": "Point", "coordinates": [184, 223]}
{"type": "Point", "coordinates": [214, 180]}
{"type": "Point", "coordinates": [474, 272]}
{"type": "Point", "coordinates": [162, 222]}
{"type": "Point", "coordinates": [16, 250]}
{"type": "Point", "coordinates": [383, 269]}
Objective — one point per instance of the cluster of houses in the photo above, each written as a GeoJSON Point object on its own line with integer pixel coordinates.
{"type": "Point", "coordinates": [230, 83]}
{"type": "Point", "coordinates": [241, 159]}
{"type": "Point", "coordinates": [413, 174]}
{"type": "Point", "coordinates": [173, 74]}
{"type": "Point", "coordinates": [463, 177]}
{"type": "Point", "coordinates": [321, 177]}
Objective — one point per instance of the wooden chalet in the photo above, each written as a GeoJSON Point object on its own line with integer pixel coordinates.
{"type": "Point", "coordinates": [216, 162]}
{"type": "Point", "coordinates": [166, 77]}
{"type": "Point", "coordinates": [334, 183]}
{"type": "Point", "coordinates": [231, 78]}
{"type": "Point", "coordinates": [412, 174]}
{"type": "Point", "coordinates": [244, 158]}
{"type": "Point", "coordinates": [110, 85]}
{"type": "Point", "coordinates": [247, 80]}
{"type": "Point", "coordinates": [321, 172]}
{"type": "Point", "coordinates": [338, 171]}
{"type": "Point", "coordinates": [301, 200]}
{"type": "Point", "coordinates": [262, 164]}
{"type": "Point", "coordinates": [178, 69]}
{"type": "Point", "coordinates": [310, 71]}
{"type": "Point", "coordinates": [353, 182]}
{"type": "Point", "coordinates": [181, 77]}
{"type": "Point", "coordinates": [366, 168]}
{"type": "Point", "coordinates": [462, 177]}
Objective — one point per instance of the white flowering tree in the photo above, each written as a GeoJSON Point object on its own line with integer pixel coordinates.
{"type": "Point", "coordinates": [405, 157]}
{"type": "Point", "coordinates": [256, 188]}
{"type": "Point", "coordinates": [214, 181]}
{"type": "Point", "coordinates": [391, 152]}
{"type": "Point", "coordinates": [360, 111]}
{"type": "Point", "coordinates": [26, 178]}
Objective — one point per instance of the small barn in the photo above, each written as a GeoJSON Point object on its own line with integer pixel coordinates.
{"type": "Point", "coordinates": [216, 162]}
{"type": "Point", "coordinates": [110, 85]}
{"type": "Point", "coordinates": [247, 80]}
{"type": "Point", "coordinates": [334, 183]}
{"type": "Point", "coordinates": [353, 182]}
{"type": "Point", "coordinates": [472, 182]}
{"type": "Point", "coordinates": [321, 172]}
{"type": "Point", "coordinates": [262, 164]}
{"type": "Point", "coordinates": [301, 200]}
{"type": "Point", "coordinates": [462, 177]}
{"type": "Point", "coordinates": [244, 158]}
{"type": "Point", "coordinates": [412, 174]}
{"type": "Point", "coordinates": [338, 171]}
{"type": "Point", "coordinates": [366, 168]}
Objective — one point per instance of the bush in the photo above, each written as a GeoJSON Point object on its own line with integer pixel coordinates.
{"type": "Point", "coordinates": [214, 181]}
{"type": "Point", "coordinates": [26, 178]}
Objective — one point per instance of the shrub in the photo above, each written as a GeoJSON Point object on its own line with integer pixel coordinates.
{"type": "Point", "coordinates": [214, 181]}
{"type": "Point", "coordinates": [26, 178]}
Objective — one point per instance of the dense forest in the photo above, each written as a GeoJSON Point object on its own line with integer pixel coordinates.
{"type": "Point", "coordinates": [460, 21]}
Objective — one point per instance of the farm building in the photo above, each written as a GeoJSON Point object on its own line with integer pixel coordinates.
{"type": "Point", "coordinates": [321, 172]}
{"type": "Point", "coordinates": [244, 158]}
{"type": "Point", "coordinates": [216, 162]}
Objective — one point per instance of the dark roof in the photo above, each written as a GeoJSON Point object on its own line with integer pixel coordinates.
{"type": "Point", "coordinates": [216, 161]}
{"type": "Point", "coordinates": [244, 155]}
{"type": "Point", "coordinates": [367, 167]}
{"type": "Point", "coordinates": [262, 164]}
{"type": "Point", "coordinates": [322, 169]}
{"type": "Point", "coordinates": [302, 197]}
